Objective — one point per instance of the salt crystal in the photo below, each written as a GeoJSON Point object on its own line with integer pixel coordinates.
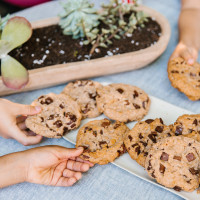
{"type": "Point", "coordinates": [132, 41]}
{"type": "Point", "coordinates": [137, 43]}
{"type": "Point", "coordinates": [49, 39]}
{"type": "Point", "coordinates": [61, 52]}
{"type": "Point", "coordinates": [79, 57]}
{"type": "Point", "coordinates": [42, 49]}
{"type": "Point", "coordinates": [53, 41]}
{"type": "Point", "coordinates": [97, 50]}
{"type": "Point", "coordinates": [32, 55]}
{"type": "Point", "coordinates": [59, 43]}
{"type": "Point", "coordinates": [47, 51]}
{"type": "Point", "coordinates": [109, 53]}
{"type": "Point", "coordinates": [117, 49]}
{"type": "Point", "coordinates": [50, 45]}
{"type": "Point", "coordinates": [45, 37]}
{"type": "Point", "coordinates": [114, 51]}
{"type": "Point", "coordinates": [37, 39]}
{"type": "Point", "coordinates": [81, 43]}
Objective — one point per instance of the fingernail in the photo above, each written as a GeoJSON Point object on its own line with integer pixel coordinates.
{"type": "Point", "coordinates": [80, 148]}
{"type": "Point", "coordinates": [37, 108]}
{"type": "Point", "coordinates": [190, 61]}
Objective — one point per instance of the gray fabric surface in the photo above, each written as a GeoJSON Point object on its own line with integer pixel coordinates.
{"type": "Point", "coordinates": [104, 182]}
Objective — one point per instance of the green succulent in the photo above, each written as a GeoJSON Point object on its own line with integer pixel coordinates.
{"type": "Point", "coordinates": [79, 18]}
{"type": "Point", "coordinates": [14, 33]}
{"type": "Point", "coordinates": [3, 22]}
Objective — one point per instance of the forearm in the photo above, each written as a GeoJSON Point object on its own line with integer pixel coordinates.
{"type": "Point", "coordinates": [189, 26]}
{"type": "Point", "coordinates": [12, 169]}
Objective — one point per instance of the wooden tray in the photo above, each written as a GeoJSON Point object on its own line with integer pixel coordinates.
{"type": "Point", "coordinates": [58, 74]}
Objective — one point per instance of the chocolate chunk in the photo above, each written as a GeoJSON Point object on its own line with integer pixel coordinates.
{"type": "Point", "coordinates": [193, 171]}
{"type": "Point", "coordinates": [65, 130]}
{"type": "Point", "coordinates": [162, 168]}
{"type": "Point", "coordinates": [135, 94]}
{"type": "Point", "coordinates": [159, 129]}
{"type": "Point", "coordinates": [146, 154]}
{"type": "Point", "coordinates": [73, 125]}
{"type": "Point", "coordinates": [190, 130]}
{"type": "Point", "coordinates": [192, 74]}
{"type": "Point", "coordinates": [93, 96]}
{"type": "Point", "coordinates": [116, 126]}
{"type": "Point", "coordinates": [153, 175]}
{"type": "Point", "coordinates": [105, 124]}
{"type": "Point", "coordinates": [149, 166]}
{"type": "Point", "coordinates": [42, 119]}
{"type": "Point", "coordinates": [102, 142]}
{"type": "Point", "coordinates": [195, 122]}
{"type": "Point", "coordinates": [51, 117]}
{"type": "Point", "coordinates": [73, 118]}
{"type": "Point", "coordinates": [130, 138]}
{"type": "Point", "coordinates": [177, 158]}
{"type": "Point", "coordinates": [47, 101]}
{"type": "Point", "coordinates": [121, 152]}
{"type": "Point", "coordinates": [144, 143]}
{"type": "Point", "coordinates": [190, 157]}
{"type": "Point", "coordinates": [134, 145]}
{"type": "Point", "coordinates": [152, 137]}
{"type": "Point", "coordinates": [101, 132]}
{"type": "Point", "coordinates": [41, 97]}
{"type": "Point", "coordinates": [61, 106]}
{"type": "Point", "coordinates": [140, 136]}
{"type": "Point", "coordinates": [94, 133]}
{"type": "Point", "coordinates": [137, 150]}
{"type": "Point", "coordinates": [127, 102]}
{"type": "Point", "coordinates": [136, 106]}
{"type": "Point", "coordinates": [149, 121]}
{"type": "Point", "coordinates": [177, 188]}
{"type": "Point", "coordinates": [164, 156]}
{"type": "Point", "coordinates": [85, 157]}
{"type": "Point", "coordinates": [174, 72]}
{"type": "Point", "coordinates": [161, 121]}
{"type": "Point", "coordinates": [86, 110]}
{"type": "Point", "coordinates": [120, 90]}
{"type": "Point", "coordinates": [144, 104]}
{"type": "Point", "coordinates": [58, 123]}
{"type": "Point", "coordinates": [179, 130]}
{"type": "Point", "coordinates": [58, 134]}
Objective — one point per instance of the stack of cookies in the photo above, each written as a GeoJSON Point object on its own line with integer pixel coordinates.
{"type": "Point", "coordinates": [170, 154]}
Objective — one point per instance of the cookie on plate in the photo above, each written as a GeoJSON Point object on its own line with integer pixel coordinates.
{"type": "Point", "coordinates": [102, 140]}
{"type": "Point", "coordinates": [84, 92]}
{"type": "Point", "coordinates": [60, 114]}
{"type": "Point", "coordinates": [123, 102]}
{"type": "Point", "coordinates": [143, 135]}
{"type": "Point", "coordinates": [185, 78]}
{"type": "Point", "coordinates": [174, 163]}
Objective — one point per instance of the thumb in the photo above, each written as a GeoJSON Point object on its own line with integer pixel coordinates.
{"type": "Point", "coordinates": [64, 153]}
{"type": "Point", "coordinates": [27, 109]}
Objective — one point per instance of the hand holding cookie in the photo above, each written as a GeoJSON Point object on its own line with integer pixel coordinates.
{"type": "Point", "coordinates": [55, 165]}
{"type": "Point", "coordinates": [12, 125]}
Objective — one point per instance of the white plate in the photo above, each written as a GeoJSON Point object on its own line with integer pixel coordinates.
{"type": "Point", "coordinates": [159, 108]}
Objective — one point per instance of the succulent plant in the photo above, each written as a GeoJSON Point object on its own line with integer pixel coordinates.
{"type": "Point", "coordinates": [16, 32]}
{"type": "Point", "coordinates": [79, 18]}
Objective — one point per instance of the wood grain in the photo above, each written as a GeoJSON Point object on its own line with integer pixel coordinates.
{"type": "Point", "coordinates": [58, 74]}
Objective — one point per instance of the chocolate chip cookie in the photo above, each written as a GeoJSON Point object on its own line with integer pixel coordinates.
{"type": "Point", "coordinates": [143, 135]}
{"type": "Point", "coordinates": [123, 102]}
{"type": "Point", "coordinates": [84, 92]}
{"type": "Point", "coordinates": [174, 163]}
{"type": "Point", "coordinates": [102, 140]}
{"type": "Point", "coordinates": [185, 78]}
{"type": "Point", "coordinates": [60, 114]}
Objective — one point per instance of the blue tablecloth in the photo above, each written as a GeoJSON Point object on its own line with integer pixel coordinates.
{"type": "Point", "coordinates": [103, 182]}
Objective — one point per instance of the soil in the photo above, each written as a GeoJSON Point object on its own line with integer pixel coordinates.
{"type": "Point", "coordinates": [48, 46]}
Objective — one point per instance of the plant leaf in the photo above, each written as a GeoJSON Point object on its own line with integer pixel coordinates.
{"type": "Point", "coordinates": [14, 75]}
{"type": "Point", "coordinates": [17, 31]}
{"type": "Point", "coordinates": [4, 48]}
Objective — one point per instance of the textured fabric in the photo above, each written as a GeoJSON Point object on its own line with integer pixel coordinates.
{"type": "Point", "coordinates": [104, 182]}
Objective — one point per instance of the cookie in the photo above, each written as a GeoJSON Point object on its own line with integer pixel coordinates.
{"type": "Point", "coordinates": [102, 140]}
{"type": "Point", "coordinates": [186, 124]}
{"type": "Point", "coordinates": [143, 135]}
{"type": "Point", "coordinates": [123, 102]}
{"type": "Point", "coordinates": [174, 163]}
{"type": "Point", "coordinates": [84, 92]}
{"type": "Point", "coordinates": [60, 114]}
{"type": "Point", "coordinates": [185, 78]}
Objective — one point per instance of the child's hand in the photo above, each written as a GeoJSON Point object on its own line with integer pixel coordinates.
{"type": "Point", "coordinates": [54, 165]}
{"type": "Point", "coordinates": [188, 53]}
{"type": "Point", "coordinates": [12, 122]}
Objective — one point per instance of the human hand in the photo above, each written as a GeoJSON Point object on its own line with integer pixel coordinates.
{"type": "Point", "coordinates": [54, 165]}
{"type": "Point", "coordinates": [12, 122]}
{"type": "Point", "coordinates": [188, 53]}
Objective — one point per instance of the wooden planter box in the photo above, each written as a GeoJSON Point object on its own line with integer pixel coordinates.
{"type": "Point", "coordinates": [58, 74]}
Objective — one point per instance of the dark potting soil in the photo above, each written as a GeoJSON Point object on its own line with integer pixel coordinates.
{"type": "Point", "coordinates": [48, 46]}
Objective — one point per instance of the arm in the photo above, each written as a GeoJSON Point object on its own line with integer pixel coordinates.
{"type": "Point", "coordinates": [189, 31]}
{"type": "Point", "coordinates": [49, 165]}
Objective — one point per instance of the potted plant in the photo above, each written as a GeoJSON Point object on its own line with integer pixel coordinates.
{"type": "Point", "coordinates": [84, 43]}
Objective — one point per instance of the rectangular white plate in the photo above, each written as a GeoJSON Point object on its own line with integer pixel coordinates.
{"type": "Point", "coordinates": [159, 109]}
